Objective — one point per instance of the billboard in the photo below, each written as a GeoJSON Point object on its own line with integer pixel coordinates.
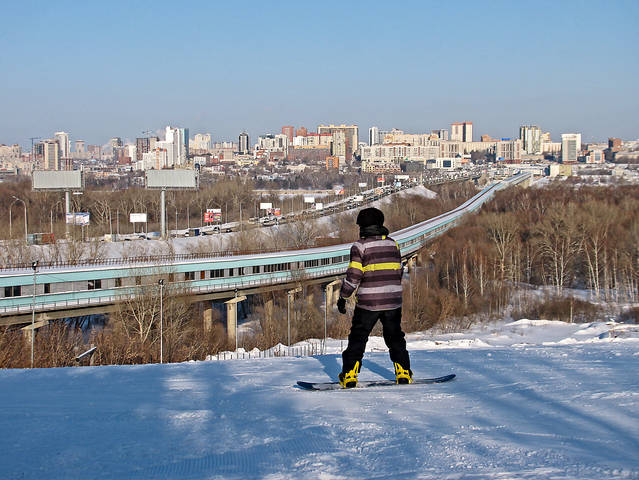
{"type": "Point", "coordinates": [309, 199]}
{"type": "Point", "coordinates": [213, 215]}
{"type": "Point", "coordinates": [319, 206]}
{"type": "Point", "coordinates": [137, 217]}
{"type": "Point", "coordinates": [57, 180]}
{"type": "Point", "coordinates": [180, 179]}
{"type": "Point", "coordinates": [265, 206]}
{"type": "Point", "coordinates": [78, 218]}
{"type": "Point", "coordinates": [362, 185]}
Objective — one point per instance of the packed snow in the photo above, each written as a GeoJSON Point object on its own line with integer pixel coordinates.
{"type": "Point", "coordinates": [532, 399]}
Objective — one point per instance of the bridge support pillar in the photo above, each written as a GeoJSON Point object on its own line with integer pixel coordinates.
{"type": "Point", "coordinates": [207, 316]}
{"type": "Point", "coordinates": [28, 331]}
{"type": "Point", "coordinates": [268, 310]}
{"type": "Point", "coordinates": [231, 319]}
{"type": "Point", "coordinates": [332, 292]}
{"type": "Point", "coordinates": [411, 263]}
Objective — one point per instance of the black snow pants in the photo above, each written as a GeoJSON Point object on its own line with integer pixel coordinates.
{"type": "Point", "coordinates": [363, 323]}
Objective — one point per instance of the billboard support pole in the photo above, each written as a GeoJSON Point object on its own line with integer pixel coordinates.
{"type": "Point", "coordinates": [163, 231]}
{"type": "Point", "coordinates": [67, 210]}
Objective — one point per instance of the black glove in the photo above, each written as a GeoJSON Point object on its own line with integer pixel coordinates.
{"type": "Point", "coordinates": [341, 305]}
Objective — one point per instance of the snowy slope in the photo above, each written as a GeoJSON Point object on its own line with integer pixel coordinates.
{"type": "Point", "coordinates": [533, 399]}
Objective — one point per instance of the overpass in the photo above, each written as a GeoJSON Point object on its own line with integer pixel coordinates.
{"type": "Point", "coordinates": [58, 290]}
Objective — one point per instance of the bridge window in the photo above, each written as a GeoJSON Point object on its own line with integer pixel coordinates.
{"type": "Point", "coordinates": [171, 277]}
{"type": "Point", "coordinates": [47, 288]}
{"type": "Point", "coordinates": [326, 261]}
{"type": "Point", "coordinates": [118, 282]}
{"type": "Point", "coordinates": [13, 291]}
{"type": "Point", "coordinates": [95, 284]}
{"type": "Point", "coordinates": [219, 273]}
{"type": "Point", "coordinates": [256, 269]}
{"type": "Point", "coordinates": [311, 263]}
{"type": "Point", "coordinates": [138, 280]}
{"type": "Point", "coordinates": [202, 275]}
{"type": "Point", "coordinates": [278, 267]}
{"type": "Point", "coordinates": [189, 275]}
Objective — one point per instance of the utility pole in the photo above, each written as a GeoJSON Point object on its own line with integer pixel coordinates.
{"type": "Point", "coordinates": [34, 265]}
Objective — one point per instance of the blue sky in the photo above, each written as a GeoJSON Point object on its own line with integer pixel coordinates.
{"type": "Point", "coordinates": [117, 68]}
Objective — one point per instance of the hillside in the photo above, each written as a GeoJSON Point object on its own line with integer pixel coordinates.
{"type": "Point", "coordinates": [533, 399]}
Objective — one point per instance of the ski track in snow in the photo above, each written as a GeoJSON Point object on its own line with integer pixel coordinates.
{"type": "Point", "coordinates": [526, 404]}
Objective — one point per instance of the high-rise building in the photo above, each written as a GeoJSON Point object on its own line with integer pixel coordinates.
{"type": "Point", "coordinates": [373, 136]}
{"type": "Point", "coordinates": [289, 132]}
{"type": "Point", "coordinates": [507, 150]}
{"type": "Point", "coordinates": [530, 136]}
{"type": "Point", "coordinates": [64, 145]}
{"type": "Point", "coordinates": [614, 144]}
{"type": "Point", "coordinates": [179, 139]}
{"type": "Point", "coordinates": [570, 147]}
{"type": "Point", "coordinates": [142, 146]}
{"type": "Point", "coordinates": [243, 144]}
{"type": "Point", "coordinates": [461, 132]}
{"type": "Point", "coordinates": [201, 141]}
{"type": "Point", "coordinates": [80, 147]}
{"type": "Point", "coordinates": [115, 142]}
{"type": "Point", "coordinates": [51, 154]}
{"type": "Point", "coordinates": [301, 132]}
{"type": "Point", "coordinates": [351, 138]}
{"type": "Point", "coordinates": [441, 133]}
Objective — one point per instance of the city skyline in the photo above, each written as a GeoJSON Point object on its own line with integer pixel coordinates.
{"type": "Point", "coordinates": [98, 71]}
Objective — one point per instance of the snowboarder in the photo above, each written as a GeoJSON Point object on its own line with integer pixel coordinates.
{"type": "Point", "coordinates": [375, 272]}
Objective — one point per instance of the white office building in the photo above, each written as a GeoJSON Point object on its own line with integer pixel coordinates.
{"type": "Point", "coordinates": [530, 136]}
{"type": "Point", "coordinates": [64, 146]}
{"type": "Point", "coordinates": [570, 147]}
{"type": "Point", "coordinates": [373, 136]}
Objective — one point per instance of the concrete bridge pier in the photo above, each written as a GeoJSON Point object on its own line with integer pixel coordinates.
{"type": "Point", "coordinates": [332, 292]}
{"type": "Point", "coordinates": [411, 263]}
{"type": "Point", "coordinates": [231, 319]}
{"type": "Point", "coordinates": [207, 316]}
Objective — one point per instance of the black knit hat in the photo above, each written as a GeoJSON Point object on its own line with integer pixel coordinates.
{"type": "Point", "coordinates": [370, 216]}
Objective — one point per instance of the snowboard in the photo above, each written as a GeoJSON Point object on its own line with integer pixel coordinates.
{"type": "Point", "coordinates": [372, 383]}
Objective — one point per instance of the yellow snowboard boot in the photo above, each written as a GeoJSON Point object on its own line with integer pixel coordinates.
{"type": "Point", "coordinates": [349, 379]}
{"type": "Point", "coordinates": [402, 375]}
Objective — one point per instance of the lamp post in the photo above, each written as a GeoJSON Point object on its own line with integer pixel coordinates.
{"type": "Point", "coordinates": [59, 202]}
{"type": "Point", "coordinates": [25, 217]}
{"type": "Point", "coordinates": [161, 284]}
{"type": "Point", "coordinates": [10, 223]}
{"type": "Point", "coordinates": [34, 265]}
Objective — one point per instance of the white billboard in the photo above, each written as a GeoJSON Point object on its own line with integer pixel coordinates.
{"type": "Point", "coordinates": [57, 180]}
{"type": "Point", "coordinates": [362, 185]}
{"type": "Point", "coordinates": [137, 217]}
{"type": "Point", "coordinates": [78, 218]}
{"type": "Point", "coordinates": [309, 199]}
{"type": "Point", "coordinates": [266, 206]}
{"type": "Point", "coordinates": [178, 179]}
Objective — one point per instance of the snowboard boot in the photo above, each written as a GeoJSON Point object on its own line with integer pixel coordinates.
{"type": "Point", "coordinates": [349, 379]}
{"type": "Point", "coordinates": [402, 375]}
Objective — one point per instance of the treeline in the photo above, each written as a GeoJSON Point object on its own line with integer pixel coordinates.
{"type": "Point", "coordinates": [558, 238]}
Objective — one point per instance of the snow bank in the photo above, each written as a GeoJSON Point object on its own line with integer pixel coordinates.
{"type": "Point", "coordinates": [525, 405]}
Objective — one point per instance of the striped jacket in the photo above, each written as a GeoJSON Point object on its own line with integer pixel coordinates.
{"type": "Point", "coordinates": [375, 271]}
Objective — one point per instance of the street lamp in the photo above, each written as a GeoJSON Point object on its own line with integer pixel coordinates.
{"type": "Point", "coordinates": [34, 265]}
{"type": "Point", "coordinates": [25, 216]}
{"type": "Point", "coordinates": [161, 284]}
